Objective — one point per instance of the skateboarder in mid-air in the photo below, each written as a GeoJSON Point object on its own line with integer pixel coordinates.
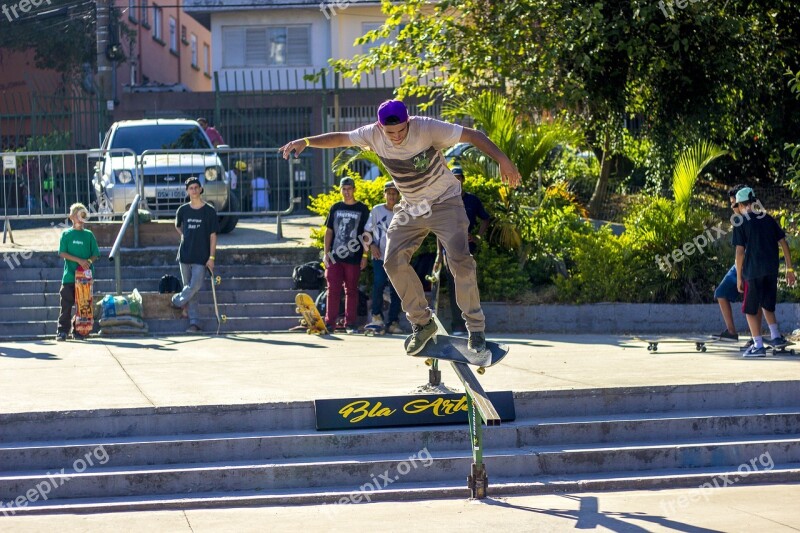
{"type": "Point", "coordinates": [410, 148]}
{"type": "Point", "coordinates": [197, 224]}
{"type": "Point", "coordinates": [77, 247]}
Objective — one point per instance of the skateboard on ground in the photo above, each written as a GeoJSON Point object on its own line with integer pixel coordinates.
{"type": "Point", "coordinates": [699, 342]}
{"type": "Point", "coordinates": [778, 349]}
{"type": "Point", "coordinates": [456, 349]}
{"type": "Point", "coordinates": [309, 315]}
{"type": "Point", "coordinates": [83, 322]}
{"type": "Point", "coordinates": [371, 330]}
{"type": "Point", "coordinates": [216, 280]}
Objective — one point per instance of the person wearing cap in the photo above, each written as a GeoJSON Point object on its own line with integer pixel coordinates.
{"type": "Point", "coordinates": [345, 255]}
{"type": "Point", "coordinates": [475, 210]}
{"type": "Point", "coordinates": [757, 238]}
{"type": "Point", "coordinates": [410, 148]}
{"type": "Point", "coordinates": [197, 224]}
{"type": "Point", "coordinates": [377, 225]}
{"type": "Point", "coordinates": [213, 135]}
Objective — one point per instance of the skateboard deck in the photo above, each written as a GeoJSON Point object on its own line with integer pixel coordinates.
{"type": "Point", "coordinates": [83, 322]}
{"type": "Point", "coordinates": [216, 280]}
{"type": "Point", "coordinates": [700, 343]}
{"type": "Point", "coordinates": [371, 330]}
{"type": "Point", "coordinates": [456, 349]}
{"type": "Point", "coordinates": [781, 348]}
{"type": "Point", "coordinates": [309, 315]}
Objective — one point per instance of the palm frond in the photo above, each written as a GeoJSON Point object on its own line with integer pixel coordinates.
{"type": "Point", "coordinates": [690, 164]}
{"type": "Point", "coordinates": [345, 159]}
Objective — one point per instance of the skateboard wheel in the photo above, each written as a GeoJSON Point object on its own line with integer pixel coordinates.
{"type": "Point", "coordinates": [218, 280]}
{"type": "Point", "coordinates": [703, 349]}
{"type": "Point", "coordinates": [481, 370]}
{"type": "Point", "coordinates": [429, 362]}
{"type": "Point", "coordinates": [223, 318]}
{"type": "Point", "coordinates": [649, 348]}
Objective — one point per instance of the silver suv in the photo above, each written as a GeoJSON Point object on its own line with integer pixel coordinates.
{"type": "Point", "coordinates": [164, 173]}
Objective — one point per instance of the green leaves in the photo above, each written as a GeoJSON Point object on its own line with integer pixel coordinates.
{"type": "Point", "coordinates": [690, 164]}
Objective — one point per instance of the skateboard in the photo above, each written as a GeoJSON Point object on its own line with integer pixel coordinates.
{"type": "Point", "coordinates": [310, 317]}
{"type": "Point", "coordinates": [371, 330]}
{"type": "Point", "coordinates": [216, 280]}
{"type": "Point", "coordinates": [699, 343]}
{"type": "Point", "coordinates": [455, 349]}
{"type": "Point", "coordinates": [781, 348]}
{"type": "Point", "coordinates": [83, 322]}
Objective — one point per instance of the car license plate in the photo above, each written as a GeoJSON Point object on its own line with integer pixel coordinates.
{"type": "Point", "coordinates": [170, 193]}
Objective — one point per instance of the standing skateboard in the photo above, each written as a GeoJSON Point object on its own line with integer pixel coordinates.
{"type": "Point", "coordinates": [83, 322]}
{"type": "Point", "coordinates": [309, 315]}
{"type": "Point", "coordinates": [216, 280]}
{"type": "Point", "coordinates": [456, 349]}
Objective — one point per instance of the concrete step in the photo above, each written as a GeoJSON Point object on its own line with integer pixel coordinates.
{"type": "Point", "coordinates": [45, 329]}
{"type": "Point", "coordinates": [11, 302]}
{"type": "Point", "coordinates": [231, 309]}
{"type": "Point", "coordinates": [288, 444]}
{"type": "Point", "coordinates": [94, 475]}
{"type": "Point", "coordinates": [617, 406]}
{"type": "Point", "coordinates": [399, 490]}
{"type": "Point", "coordinates": [108, 286]}
{"type": "Point", "coordinates": [105, 271]}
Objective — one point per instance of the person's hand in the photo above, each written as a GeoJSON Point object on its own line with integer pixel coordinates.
{"type": "Point", "coordinates": [210, 264]}
{"type": "Point", "coordinates": [363, 262]}
{"type": "Point", "coordinates": [84, 263]}
{"type": "Point", "coordinates": [297, 146]}
{"type": "Point", "coordinates": [326, 260]}
{"type": "Point", "coordinates": [509, 173]}
{"type": "Point", "coordinates": [740, 285]}
{"type": "Point", "coordinates": [790, 278]}
{"type": "Point", "coordinates": [376, 252]}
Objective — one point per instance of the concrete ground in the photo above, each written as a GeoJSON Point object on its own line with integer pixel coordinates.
{"type": "Point", "coordinates": [187, 370]}
{"type": "Point", "coordinates": [251, 368]}
{"type": "Point", "coordinates": [770, 508]}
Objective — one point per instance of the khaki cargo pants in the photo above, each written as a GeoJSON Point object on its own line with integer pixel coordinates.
{"type": "Point", "coordinates": [448, 221]}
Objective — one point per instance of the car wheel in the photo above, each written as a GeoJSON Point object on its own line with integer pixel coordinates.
{"type": "Point", "coordinates": [228, 222]}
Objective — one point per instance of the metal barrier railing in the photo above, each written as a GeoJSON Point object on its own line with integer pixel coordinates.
{"type": "Point", "coordinates": [133, 213]}
{"type": "Point", "coordinates": [237, 182]}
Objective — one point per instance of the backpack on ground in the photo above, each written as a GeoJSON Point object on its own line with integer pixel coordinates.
{"type": "Point", "coordinates": [169, 284]}
{"type": "Point", "coordinates": [308, 277]}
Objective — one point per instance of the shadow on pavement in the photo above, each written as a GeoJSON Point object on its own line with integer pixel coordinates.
{"type": "Point", "coordinates": [19, 353]}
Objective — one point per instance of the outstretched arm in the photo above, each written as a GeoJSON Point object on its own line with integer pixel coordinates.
{"type": "Point", "coordinates": [508, 170]}
{"type": "Point", "coordinates": [326, 140]}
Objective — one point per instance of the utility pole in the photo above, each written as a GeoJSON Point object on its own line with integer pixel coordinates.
{"type": "Point", "coordinates": [103, 63]}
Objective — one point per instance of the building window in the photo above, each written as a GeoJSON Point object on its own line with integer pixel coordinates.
{"type": "Point", "coordinates": [157, 22]}
{"type": "Point", "coordinates": [267, 46]}
{"type": "Point", "coordinates": [173, 35]}
{"type": "Point", "coordinates": [206, 59]}
{"type": "Point", "coordinates": [183, 35]}
{"type": "Point", "coordinates": [132, 10]}
{"type": "Point", "coordinates": [194, 49]}
{"type": "Point", "coordinates": [143, 11]}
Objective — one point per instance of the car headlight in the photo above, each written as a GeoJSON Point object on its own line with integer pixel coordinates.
{"type": "Point", "coordinates": [211, 174]}
{"type": "Point", "coordinates": [124, 176]}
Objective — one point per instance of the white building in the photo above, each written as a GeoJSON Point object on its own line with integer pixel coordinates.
{"type": "Point", "coordinates": [273, 44]}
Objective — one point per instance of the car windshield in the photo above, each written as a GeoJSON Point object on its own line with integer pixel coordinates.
{"type": "Point", "coordinates": [159, 137]}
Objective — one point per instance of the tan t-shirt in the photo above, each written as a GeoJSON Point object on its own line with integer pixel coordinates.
{"type": "Point", "coordinates": [417, 166]}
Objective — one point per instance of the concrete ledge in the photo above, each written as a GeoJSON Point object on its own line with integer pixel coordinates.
{"type": "Point", "coordinates": [622, 318]}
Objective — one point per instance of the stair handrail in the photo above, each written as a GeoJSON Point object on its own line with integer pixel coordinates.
{"type": "Point", "coordinates": [114, 254]}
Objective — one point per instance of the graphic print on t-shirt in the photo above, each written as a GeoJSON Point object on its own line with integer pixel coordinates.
{"type": "Point", "coordinates": [345, 225]}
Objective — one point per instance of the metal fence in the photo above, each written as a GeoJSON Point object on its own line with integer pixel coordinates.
{"type": "Point", "coordinates": [238, 182]}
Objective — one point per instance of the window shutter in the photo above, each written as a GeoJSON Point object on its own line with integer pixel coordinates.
{"type": "Point", "coordinates": [233, 47]}
{"type": "Point", "coordinates": [298, 45]}
{"type": "Point", "coordinates": [255, 47]}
